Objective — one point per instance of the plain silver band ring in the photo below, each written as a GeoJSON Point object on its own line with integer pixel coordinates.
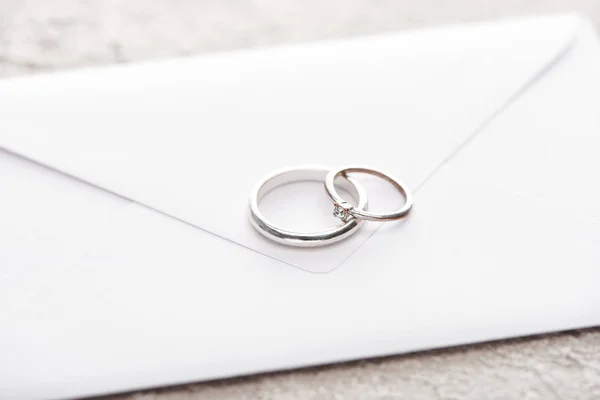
{"type": "Point", "coordinates": [289, 238]}
{"type": "Point", "coordinates": [343, 207]}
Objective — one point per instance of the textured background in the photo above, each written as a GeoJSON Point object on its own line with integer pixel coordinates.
{"type": "Point", "coordinates": [43, 35]}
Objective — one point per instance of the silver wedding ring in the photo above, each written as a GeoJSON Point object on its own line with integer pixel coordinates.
{"type": "Point", "coordinates": [298, 239]}
{"type": "Point", "coordinates": [352, 217]}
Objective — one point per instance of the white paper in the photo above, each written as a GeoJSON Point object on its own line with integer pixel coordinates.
{"type": "Point", "coordinates": [190, 137]}
{"type": "Point", "coordinates": [112, 295]}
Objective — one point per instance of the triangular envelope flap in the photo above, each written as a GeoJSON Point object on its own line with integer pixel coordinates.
{"type": "Point", "coordinates": [553, 160]}
{"type": "Point", "coordinates": [190, 137]}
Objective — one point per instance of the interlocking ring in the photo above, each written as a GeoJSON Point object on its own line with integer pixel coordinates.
{"type": "Point", "coordinates": [304, 173]}
{"type": "Point", "coordinates": [346, 212]}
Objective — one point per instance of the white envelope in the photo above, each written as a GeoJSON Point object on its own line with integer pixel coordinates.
{"type": "Point", "coordinates": [127, 259]}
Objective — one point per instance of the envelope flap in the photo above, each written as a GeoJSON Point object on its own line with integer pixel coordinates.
{"type": "Point", "coordinates": [190, 137]}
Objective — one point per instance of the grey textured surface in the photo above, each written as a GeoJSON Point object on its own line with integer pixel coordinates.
{"type": "Point", "coordinates": [565, 366]}
{"type": "Point", "coordinates": [41, 35]}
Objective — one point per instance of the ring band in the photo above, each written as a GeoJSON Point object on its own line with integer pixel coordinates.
{"type": "Point", "coordinates": [346, 212]}
{"type": "Point", "coordinates": [304, 173]}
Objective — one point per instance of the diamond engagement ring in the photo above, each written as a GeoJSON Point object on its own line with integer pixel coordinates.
{"type": "Point", "coordinates": [346, 211]}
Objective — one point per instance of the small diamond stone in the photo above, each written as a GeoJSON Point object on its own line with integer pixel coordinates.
{"type": "Point", "coordinates": [341, 211]}
{"type": "Point", "coordinates": [338, 212]}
